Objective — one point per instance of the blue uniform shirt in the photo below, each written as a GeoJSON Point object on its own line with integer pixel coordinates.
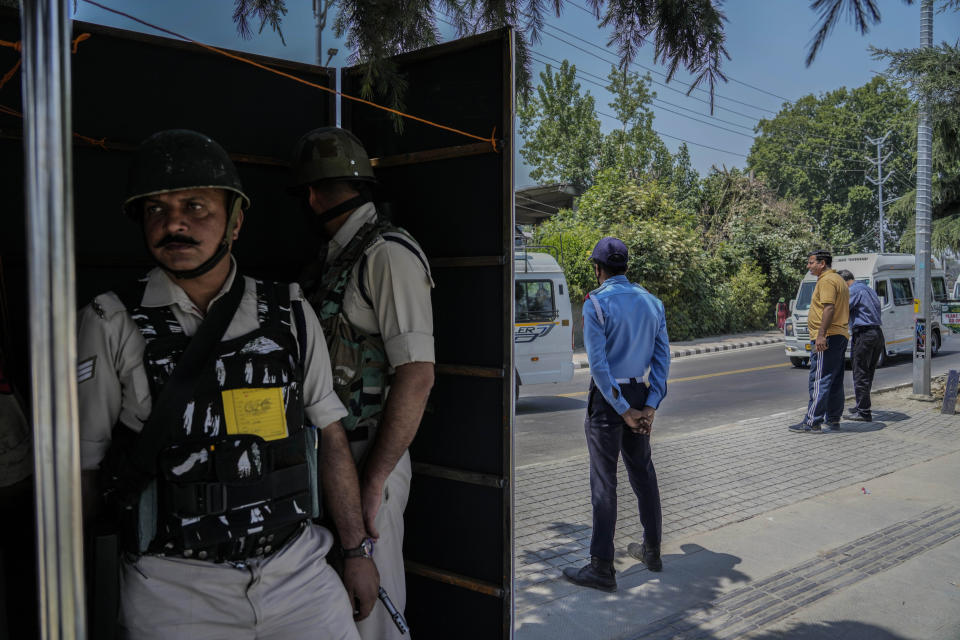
{"type": "Point", "coordinates": [625, 332]}
{"type": "Point", "coordinates": [864, 306]}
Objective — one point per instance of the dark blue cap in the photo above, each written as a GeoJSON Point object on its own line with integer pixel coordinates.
{"type": "Point", "coordinates": [610, 251]}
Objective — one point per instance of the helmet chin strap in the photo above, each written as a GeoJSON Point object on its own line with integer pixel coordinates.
{"type": "Point", "coordinates": [221, 251]}
{"type": "Point", "coordinates": [341, 208]}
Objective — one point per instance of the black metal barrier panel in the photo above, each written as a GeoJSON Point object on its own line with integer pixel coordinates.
{"type": "Point", "coordinates": [455, 195]}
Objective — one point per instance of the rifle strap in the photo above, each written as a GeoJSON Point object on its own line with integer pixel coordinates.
{"type": "Point", "coordinates": [169, 404]}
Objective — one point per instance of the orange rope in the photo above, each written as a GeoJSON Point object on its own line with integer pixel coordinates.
{"type": "Point", "coordinates": [17, 46]}
{"type": "Point", "coordinates": [9, 74]}
{"type": "Point", "coordinates": [102, 142]}
{"type": "Point", "coordinates": [491, 140]}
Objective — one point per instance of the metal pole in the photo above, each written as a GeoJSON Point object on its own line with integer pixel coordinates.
{"type": "Point", "coordinates": [45, 31]}
{"type": "Point", "coordinates": [923, 328]}
{"type": "Point", "coordinates": [880, 178]}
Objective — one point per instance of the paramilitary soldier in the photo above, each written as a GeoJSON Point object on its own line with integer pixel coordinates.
{"type": "Point", "coordinates": [371, 291]}
{"type": "Point", "coordinates": [198, 391]}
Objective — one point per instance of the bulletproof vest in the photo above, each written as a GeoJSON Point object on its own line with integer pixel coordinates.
{"type": "Point", "coordinates": [240, 461]}
{"type": "Point", "coordinates": [359, 360]}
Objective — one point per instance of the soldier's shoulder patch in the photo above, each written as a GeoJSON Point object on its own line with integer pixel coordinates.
{"type": "Point", "coordinates": [86, 369]}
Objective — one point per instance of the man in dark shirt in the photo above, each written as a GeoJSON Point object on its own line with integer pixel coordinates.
{"type": "Point", "coordinates": [867, 342]}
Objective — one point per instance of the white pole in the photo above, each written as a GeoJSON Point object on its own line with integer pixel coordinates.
{"type": "Point", "coordinates": [45, 31]}
{"type": "Point", "coordinates": [921, 352]}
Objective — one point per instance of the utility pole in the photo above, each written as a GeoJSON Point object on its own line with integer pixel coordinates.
{"type": "Point", "coordinates": [922, 334]}
{"type": "Point", "coordinates": [881, 179]}
{"type": "Point", "coordinates": [320, 9]}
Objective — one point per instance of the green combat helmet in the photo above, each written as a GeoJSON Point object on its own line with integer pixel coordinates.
{"type": "Point", "coordinates": [179, 159]}
{"type": "Point", "coordinates": [330, 153]}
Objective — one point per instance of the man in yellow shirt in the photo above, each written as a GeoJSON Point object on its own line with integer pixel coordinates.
{"type": "Point", "coordinates": [828, 318]}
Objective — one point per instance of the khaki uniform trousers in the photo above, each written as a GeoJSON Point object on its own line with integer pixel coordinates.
{"type": "Point", "coordinates": [388, 554]}
{"type": "Point", "coordinates": [292, 594]}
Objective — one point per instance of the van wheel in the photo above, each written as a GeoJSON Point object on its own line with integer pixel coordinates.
{"type": "Point", "coordinates": [935, 344]}
{"type": "Point", "coordinates": [799, 363]}
{"type": "Point", "coordinates": [516, 387]}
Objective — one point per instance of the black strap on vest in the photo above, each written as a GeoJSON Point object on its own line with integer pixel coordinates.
{"type": "Point", "coordinates": [362, 269]}
{"type": "Point", "coordinates": [177, 391]}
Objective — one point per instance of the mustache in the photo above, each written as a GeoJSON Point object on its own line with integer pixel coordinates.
{"type": "Point", "coordinates": [175, 238]}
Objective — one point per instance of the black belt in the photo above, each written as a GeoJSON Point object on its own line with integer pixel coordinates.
{"type": "Point", "coordinates": [863, 328]}
{"type": "Point", "coordinates": [258, 545]}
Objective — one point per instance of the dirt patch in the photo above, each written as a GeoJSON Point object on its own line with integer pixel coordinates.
{"type": "Point", "coordinates": [938, 385]}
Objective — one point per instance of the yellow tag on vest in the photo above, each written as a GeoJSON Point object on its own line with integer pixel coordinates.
{"type": "Point", "coordinates": [255, 411]}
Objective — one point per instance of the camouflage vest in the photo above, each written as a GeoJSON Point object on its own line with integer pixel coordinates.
{"type": "Point", "coordinates": [358, 359]}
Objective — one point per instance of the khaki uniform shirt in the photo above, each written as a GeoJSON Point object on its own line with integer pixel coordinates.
{"type": "Point", "coordinates": [112, 382]}
{"type": "Point", "coordinates": [830, 289]}
{"type": "Point", "coordinates": [398, 286]}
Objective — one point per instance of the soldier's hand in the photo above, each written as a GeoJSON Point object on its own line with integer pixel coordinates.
{"type": "Point", "coordinates": [362, 581]}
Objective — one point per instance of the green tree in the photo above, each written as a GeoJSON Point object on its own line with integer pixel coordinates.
{"type": "Point", "coordinates": [560, 130]}
{"type": "Point", "coordinates": [742, 222]}
{"type": "Point", "coordinates": [815, 152]}
{"type": "Point", "coordinates": [934, 74]}
{"type": "Point", "coordinates": [562, 137]}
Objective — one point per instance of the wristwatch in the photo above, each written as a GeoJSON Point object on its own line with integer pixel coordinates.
{"type": "Point", "coordinates": [365, 550]}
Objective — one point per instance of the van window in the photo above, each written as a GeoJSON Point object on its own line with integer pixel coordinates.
{"type": "Point", "coordinates": [901, 291]}
{"type": "Point", "coordinates": [534, 300]}
{"type": "Point", "coordinates": [881, 288]}
{"type": "Point", "coordinates": [804, 296]}
{"type": "Point", "coordinates": [939, 290]}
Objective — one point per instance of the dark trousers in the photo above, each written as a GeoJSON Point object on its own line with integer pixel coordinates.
{"type": "Point", "coordinates": [826, 382]}
{"type": "Point", "coordinates": [608, 436]}
{"type": "Point", "coordinates": [864, 351]}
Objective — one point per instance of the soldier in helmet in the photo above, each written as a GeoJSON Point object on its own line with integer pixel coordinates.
{"type": "Point", "coordinates": [202, 395]}
{"type": "Point", "coordinates": [370, 288]}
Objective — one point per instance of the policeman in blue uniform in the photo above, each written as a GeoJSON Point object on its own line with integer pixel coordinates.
{"type": "Point", "coordinates": [625, 332]}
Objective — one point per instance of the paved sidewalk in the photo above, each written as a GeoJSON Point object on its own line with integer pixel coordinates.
{"type": "Point", "coordinates": [801, 517]}
{"type": "Point", "coordinates": [703, 345]}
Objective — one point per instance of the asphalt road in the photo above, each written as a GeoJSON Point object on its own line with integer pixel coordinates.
{"type": "Point", "coordinates": [704, 391]}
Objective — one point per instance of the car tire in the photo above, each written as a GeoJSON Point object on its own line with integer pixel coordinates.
{"type": "Point", "coordinates": [799, 363]}
{"type": "Point", "coordinates": [516, 387]}
{"type": "Point", "coordinates": [935, 344]}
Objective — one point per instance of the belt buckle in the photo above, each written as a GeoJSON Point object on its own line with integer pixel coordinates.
{"type": "Point", "coordinates": [212, 498]}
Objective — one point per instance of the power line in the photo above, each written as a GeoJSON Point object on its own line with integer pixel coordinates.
{"type": "Point", "coordinates": [537, 55]}
{"type": "Point", "coordinates": [660, 73]}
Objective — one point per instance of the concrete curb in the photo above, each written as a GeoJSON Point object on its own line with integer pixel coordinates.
{"type": "Point", "coordinates": [692, 351]}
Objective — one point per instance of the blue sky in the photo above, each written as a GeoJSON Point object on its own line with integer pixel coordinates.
{"type": "Point", "coordinates": [766, 39]}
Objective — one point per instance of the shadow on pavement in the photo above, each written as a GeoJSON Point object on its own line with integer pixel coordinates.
{"type": "Point", "coordinates": [859, 427]}
{"type": "Point", "coordinates": [890, 416]}
{"type": "Point", "coordinates": [548, 404]}
{"type": "Point", "coordinates": [558, 609]}
{"type": "Point", "coordinates": [843, 629]}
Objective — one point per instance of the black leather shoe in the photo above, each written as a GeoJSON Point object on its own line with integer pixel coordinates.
{"type": "Point", "coordinates": [599, 574]}
{"type": "Point", "coordinates": [649, 556]}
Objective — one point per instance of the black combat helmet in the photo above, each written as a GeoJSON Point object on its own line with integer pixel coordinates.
{"type": "Point", "coordinates": [329, 153]}
{"type": "Point", "coordinates": [178, 159]}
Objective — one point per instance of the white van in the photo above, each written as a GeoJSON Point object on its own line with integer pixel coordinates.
{"type": "Point", "coordinates": [892, 276]}
{"type": "Point", "coordinates": [543, 327]}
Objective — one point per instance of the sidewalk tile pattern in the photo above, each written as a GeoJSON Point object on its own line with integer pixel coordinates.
{"type": "Point", "coordinates": [711, 479]}
{"type": "Point", "coordinates": [776, 597]}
